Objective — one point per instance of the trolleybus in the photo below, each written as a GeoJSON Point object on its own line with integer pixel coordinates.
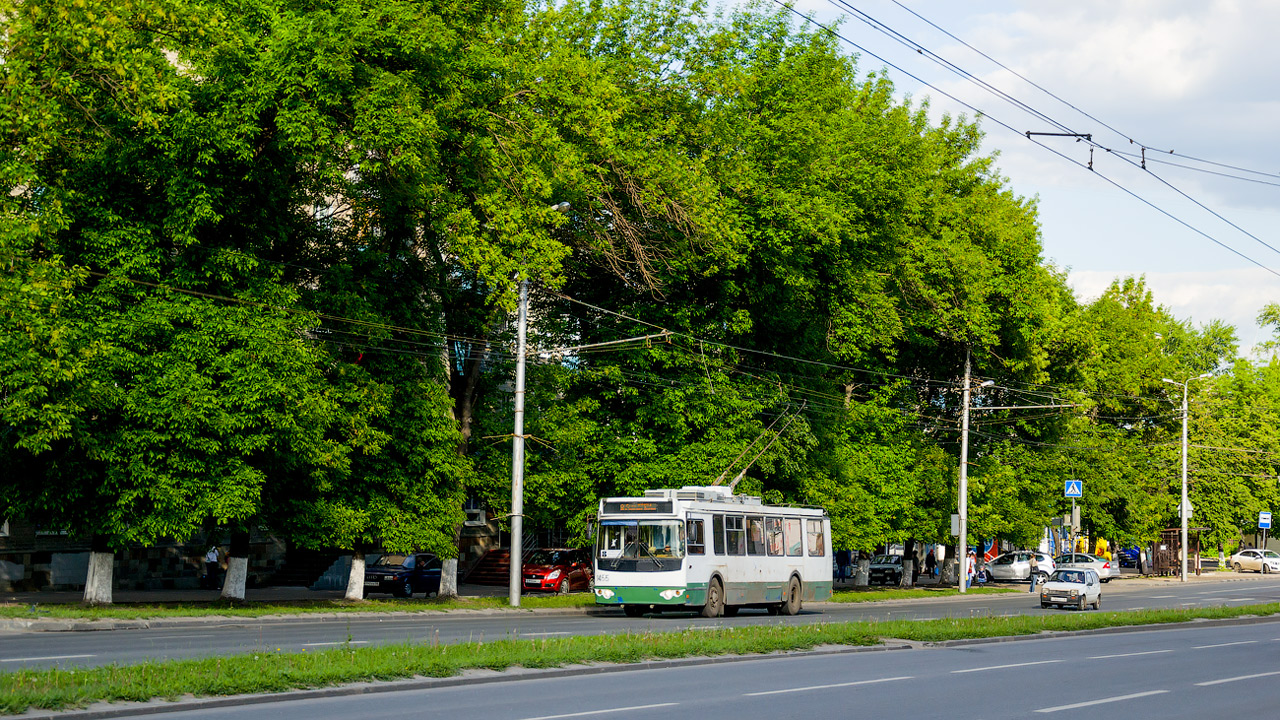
{"type": "Point", "coordinates": [707, 549]}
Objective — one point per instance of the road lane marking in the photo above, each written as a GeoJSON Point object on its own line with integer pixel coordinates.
{"type": "Point", "coordinates": [1240, 642]}
{"type": "Point", "coordinates": [1087, 703]}
{"type": "Point", "coordinates": [343, 642]}
{"type": "Point", "coordinates": [825, 687]}
{"type": "Point", "coordinates": [1235, 679]}
{"type": "Point", "coordinates": [1145, 652]}
{"type": "Point", "coordinates": [1002, 667]}
{"type": "Point", "coordinates": [47, 657]}
{"type": "Point", "coordinates": [602, 712]}
{"type": "Point", "coordinates": [1162, 597]}
{"type": "Point", "coordinates": [1237, 599]}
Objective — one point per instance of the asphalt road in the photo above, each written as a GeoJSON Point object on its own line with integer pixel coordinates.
{"type": "Point", "coordinates": [1182, 672]}
{"type": "Point", "coordinates": [225, 637]}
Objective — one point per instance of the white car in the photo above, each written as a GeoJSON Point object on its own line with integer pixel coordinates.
{"type": "Point", "coordinates": [1072, 587]}
{"type": "Point", "coordinates": [1263, 561]}
{"type": "Point", "coordinates": [1105, 568]}
{"type": "Point", "coordinates": [1016, 565]}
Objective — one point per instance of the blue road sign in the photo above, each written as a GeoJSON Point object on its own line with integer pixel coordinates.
{"type": "Point", "coordinates": [1073, 488]}
{"type": "Point", "coordinates": [1264, 521]}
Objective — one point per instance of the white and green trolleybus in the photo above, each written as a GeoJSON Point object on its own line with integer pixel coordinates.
{"type": "Point", "coordinates": [705, 548]}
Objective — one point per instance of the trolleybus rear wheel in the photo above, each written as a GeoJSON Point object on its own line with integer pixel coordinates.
{"type": "Point", "coordinates": [791, 605]}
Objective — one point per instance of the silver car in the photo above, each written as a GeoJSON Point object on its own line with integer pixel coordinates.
{"type": "Point", "coordinates": [1103, 567]}
{"type": "Point", "coordinates": [1263, 561]}
{"type": "Point", "coordinates": [1017, 565]}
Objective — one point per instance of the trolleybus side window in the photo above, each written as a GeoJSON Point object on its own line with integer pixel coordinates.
{"type": "Point", "coordinates": [773, 532]}
{"type": "Point", "coordinates": [795, 538]}
{"type": "Point", "coordinates": [755, 535]}
{"type": "Point", "coordinates": [817, 543]}
{"type": "Point", "coordinates": [717, 534]}
{"type": "Point", "coordinates": [697, 545]}
{"type": "Point", "coordinates": [735, 537]}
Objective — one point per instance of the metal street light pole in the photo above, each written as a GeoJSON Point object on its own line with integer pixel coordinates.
{"type": "Point", "coordinates": [517, 445]}
{"type": "Point", "coordinates": [962, 546]}
{"type": "Point", "coordinates": [1182, 508]}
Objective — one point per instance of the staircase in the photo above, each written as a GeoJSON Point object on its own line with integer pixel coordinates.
{"type": "Point", "coordinates": [493, 569]}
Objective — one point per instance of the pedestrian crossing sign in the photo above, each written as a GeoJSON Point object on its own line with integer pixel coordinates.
{"type": "Point", "coordinates": [1074, 488]}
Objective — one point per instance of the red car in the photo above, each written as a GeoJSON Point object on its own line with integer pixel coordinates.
{"type": "Point", "coordinates": [558, 571]}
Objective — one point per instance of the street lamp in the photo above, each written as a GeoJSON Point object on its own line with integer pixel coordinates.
{"type": "Point", "coordinates": [1182, 509]}
{"type": "Point", "coordinates": [517, 445]}
{"type": "Point", "coordinates": [962, 547]}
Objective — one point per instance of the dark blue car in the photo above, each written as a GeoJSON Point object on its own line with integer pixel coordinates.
{"type": "Point", "coordinates": [403, 575]}
{"type": "Point", "coordinates": [1128, 557]}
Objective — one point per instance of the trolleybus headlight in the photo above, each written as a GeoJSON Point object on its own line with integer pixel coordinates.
{"type": "Point", "coordinates": [605, 593]}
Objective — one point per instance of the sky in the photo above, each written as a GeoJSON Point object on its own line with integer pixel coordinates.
{"type": "Point", "coordinates": [1193, 77]}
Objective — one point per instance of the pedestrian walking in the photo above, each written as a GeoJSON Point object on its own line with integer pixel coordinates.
{"type": "Point", "coordinates": [930, 563]}
{"type": "Point", "coordinates": [211, 560]}
{"type": "Point", "coordinates": [1035, 572]}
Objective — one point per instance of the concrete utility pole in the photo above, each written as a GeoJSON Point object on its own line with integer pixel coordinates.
{"type": "Point", "coordinates": [517, 456]}
{"type": "Point", "coordinates": [1185, 507]}
{"type": "Point", "coordinates": [962, 545]}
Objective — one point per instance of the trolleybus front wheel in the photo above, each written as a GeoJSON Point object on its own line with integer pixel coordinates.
{"type": "Point", "coordinates": [715, 599]}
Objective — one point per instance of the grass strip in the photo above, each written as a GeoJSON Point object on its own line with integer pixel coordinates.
{"type": "Point", "coordinates": [275, 671]}
{"type": "Point", "coordinates": [872, 595]}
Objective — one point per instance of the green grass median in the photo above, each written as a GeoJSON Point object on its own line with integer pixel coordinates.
{"type": "Point", "coordinates": [271, 670]}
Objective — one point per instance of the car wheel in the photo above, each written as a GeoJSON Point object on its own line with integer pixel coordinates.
{"type": "Point", "coordinates": [1041, 577]}
{"type": "Point", "coordinates": [1097, 604]}
{"type": "Point", "coordinates": [715, 599]}
{"type": "Point", "coordinates": [1266, 569]}
{"type": "Point", "coordinates": [1238, 568]}
{"type": "Point", "coordinates": [633, 610]}
{"type": "Point", "coordinates": [1082, 605]}
{"type": "Point", "coordinates": [1044, 605]}
{"type": "Point", "coordinates": [563, 587]}
{"type": "Point", "coordinates": [791, 605]}
{"type": "Point", "coordinates": [407, 589]}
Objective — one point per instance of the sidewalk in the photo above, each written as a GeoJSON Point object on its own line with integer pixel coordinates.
{"type": "Point", "coordinates": [278, 593]}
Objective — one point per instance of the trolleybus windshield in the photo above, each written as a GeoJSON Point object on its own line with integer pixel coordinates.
{"type": "Point", "coordinates": [641, 540]}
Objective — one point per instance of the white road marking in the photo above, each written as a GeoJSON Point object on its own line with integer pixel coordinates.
{"type": "Point", "coordinates": [1002, 667]}
{"type": "Point", "coordinates": [1146, 652]}
{"type": "Point", "coordinates": [601, 712]}
{"type": "Point", "coordinates": [47, 657]}
{"type": "Point", "coordinates": [824, 687]}
{"type": "Point", "coordinates": [344, 642]}
{"type": "Point", "coordinates": [1235, 679]}
{"type": "Point", "coordinates": [1162, 597]}
{"type": "Point", "coordinates": [1237, 599]}
{"type": "Point", "coordinates": [1237, 589]}
{"type": "Point", "coordinates": [1117, 698]}
{"type": "Point", "coordinates": [1240, 642]}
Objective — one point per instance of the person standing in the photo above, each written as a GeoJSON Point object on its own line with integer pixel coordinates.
{"type": "Point", "coordinates": [211, 560]}
{"type": "Point", "coordinates": [930, 563]}
{"type": "Point", "coordinates": [970, 567]}
{"type": "Point", "coordinates": [1035, 571]}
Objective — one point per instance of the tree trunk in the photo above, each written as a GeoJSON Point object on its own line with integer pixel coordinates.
{"type": "Point", "coordinates": [449, 578]}
{"type": "Point", "coordinates": [98, 582]}
{"type": "Point", "coordinates": [864, 570]}
{"type": "Point", "coordinates": [355, 579]}
{"type": "Point", "coordinates": [237, 567]}
{"type": "Point", "coordinates": [908, 564]}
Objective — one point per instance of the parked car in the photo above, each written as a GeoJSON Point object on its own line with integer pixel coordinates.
{"type": "Point", "coordinates": [1072, 587]}
{"type": "Point", "coordinates": [1017, 565]}
{"type": "Point", "coordinates": [885, 570]}
{"type": "Point", "coordinates": [1263, 561]}
{"type": "Point", "coordinates": [558, 571]}
{"type": "Point", "coordinates": [1104, 568]}
{"type": "Point", "coordinates": [403, 575]}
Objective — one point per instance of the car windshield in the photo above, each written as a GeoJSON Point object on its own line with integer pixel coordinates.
{"type": "Point", "coordinates": [887, 559]}
{"type": "Point", "coordinates": [394, 559]}
{"type": "Point", "coordinates": [549, 557]}
{"type": "Point", "coordinates": [1270, 554]}
{"type": "Point", "coordinates": [1068, 576]}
